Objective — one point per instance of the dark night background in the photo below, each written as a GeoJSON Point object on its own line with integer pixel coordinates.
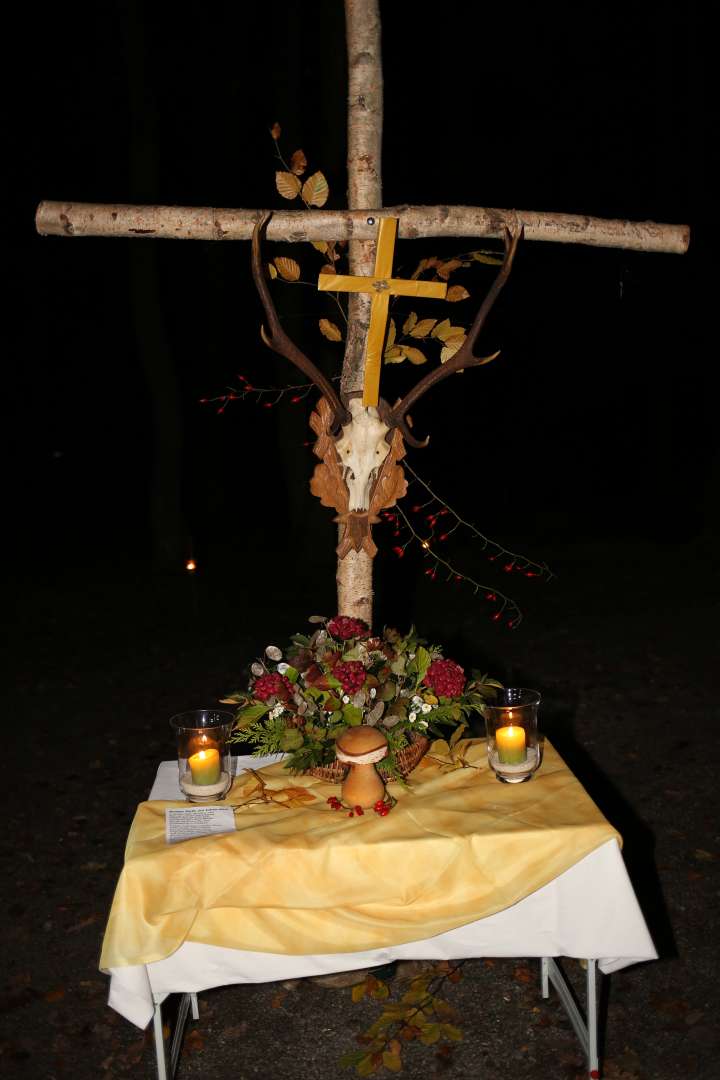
{"type": "Point", "coordinates": [591, 443]}
{"type": "Point", "coordinates": [596, 422]}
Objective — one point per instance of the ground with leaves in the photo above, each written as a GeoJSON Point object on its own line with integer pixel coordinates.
{"type": "Point", "coordinates": [623, 654]}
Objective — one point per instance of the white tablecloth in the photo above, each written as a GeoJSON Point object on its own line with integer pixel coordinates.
{"type": "Point", "coordinates": [590, 911]}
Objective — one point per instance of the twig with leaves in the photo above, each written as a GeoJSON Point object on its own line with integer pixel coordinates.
{"type": "Point", "coordinates": [420, 1014]}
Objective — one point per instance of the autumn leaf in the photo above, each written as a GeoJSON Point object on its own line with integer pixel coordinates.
{"type": "Point", "coordinates": [392, 1062]}
{"type": "Point", "coordinates": [194, 1040]}
{"type": "Point", "coordinates": [330, 330]}
{"type": "Point", "coordinates": [457, 292]}
{"type": "Point", "coordinates": [415, 356]}
{"type": "Point", "coordinates": [409, 322]}
{"type": "Point", "coordinates": [391, 335]}
{"type": "Point", "coordinates": [276, 131]}
{"type": "Point", "coordinates": [443, 330]}
{"type": "Point", "coordinates": [328, 269]}
{"type": "Point", "coordinates": [444, 270]}
{"type": "Point", "coordinates": [320, 245]}
{"type": "Point", "coordinates": [288, 185]}
{"type": "Point", "coordinates": [394, 356]}
{"type": "Point", "coordinates": [315, 190]}
{"type": "Point", "coordinates": [298, 163]}
{"type": "Point", "coordinates": [358, 992]}
{"type": "Point", "coordinates": [272, 271]}
{"type": "Point", "coordinates": [287, 268]}
{"type": "Point", "coordinates": [423, 328]}
{"type": "Point", "coordinates": [54, 996]}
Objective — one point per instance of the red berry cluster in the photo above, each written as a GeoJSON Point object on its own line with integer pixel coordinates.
{"type": "Point", "coordinates": [343, 627]}
{"type": "Point", "coordinates": [267, 686]}
{"type": "Point", "coordinates": [350, 674]}
{"type": "Point", "coordinates": [446, 678]}
{"type": "Point", "coordinates": [382, 808]}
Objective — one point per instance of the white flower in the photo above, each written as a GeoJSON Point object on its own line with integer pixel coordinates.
{"type": "Point", "coordinates": [412, 717]}
{"type": "Point", "coordinates": [373, 691]}
{"type": "Point", "coordinates": [282, 668]}
{"type": "Point", "coordinates": [425, 707]}
{"type": "Point", "coordinates": [417, 700]}
{"type": "Point", "coordinates": [273, 652]}
{"type": "Point", "coordinates": [411, 656]}
{"type": "Point", "coordinates": [346, 699]}
{"type": "Point", "coordinates": [257, 670]}
{"type": "Point", "coordinates": [422, 723]}
{"type": "Point", "coordinates": [277, 710]}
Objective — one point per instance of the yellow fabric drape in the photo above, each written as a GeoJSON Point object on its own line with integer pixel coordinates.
{"type": "Point", "coordinates": [302, 878]}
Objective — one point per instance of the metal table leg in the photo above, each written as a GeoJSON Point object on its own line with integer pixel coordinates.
{"type": "Point", "coordinates": [167, 1063]}
{"type": "Point", "coordinates": [585, 1029]}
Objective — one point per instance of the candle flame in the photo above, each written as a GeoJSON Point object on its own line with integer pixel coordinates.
{"type": "Point", "coordinates": [202, 754]}
{"type": "Point", "coordinates": [191, 565]}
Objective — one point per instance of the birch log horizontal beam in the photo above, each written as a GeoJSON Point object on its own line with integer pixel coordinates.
{"type": "Point", "coordinates": [207, 223]}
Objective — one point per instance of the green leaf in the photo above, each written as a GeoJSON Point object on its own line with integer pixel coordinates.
{"type": "Point", "coordinates": [290, 740]}
{"type": "Point", "coordinates": [292, 674]}
{"type": "Point", "coordinates": [452, 1032]}
{"type": "Point", "coordinates": [352, 715]}
{"type": "Point", "coordinates": [251, 713]}
{"type": "Point", "coordinates": [421, 663]}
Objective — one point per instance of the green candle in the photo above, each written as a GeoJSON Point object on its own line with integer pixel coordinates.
{"type": "Point", "coordinates": [205, 767]}
{"type": "Point", "coordinates": [510, 742]}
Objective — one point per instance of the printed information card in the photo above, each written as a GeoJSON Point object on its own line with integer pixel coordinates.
{"type": "Point", "coordinates": [190, 821]}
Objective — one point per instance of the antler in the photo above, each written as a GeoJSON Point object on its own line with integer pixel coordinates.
{"type": "Point", "coordinates": [463, 358]}
{"type": "Point", "coordinates": [279, 341]}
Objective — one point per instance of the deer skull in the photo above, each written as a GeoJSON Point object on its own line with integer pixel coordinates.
{"type": "Point", "coordinates": [362, 449]}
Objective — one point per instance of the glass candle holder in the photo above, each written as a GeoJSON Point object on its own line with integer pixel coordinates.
{"type": "Point", "coordinates": [203, 751]}
{"type": "Point", "coordinates": [512, 734]}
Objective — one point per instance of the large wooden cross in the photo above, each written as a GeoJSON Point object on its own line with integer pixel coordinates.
{"type": "Point", "coordinates": [358, 225]}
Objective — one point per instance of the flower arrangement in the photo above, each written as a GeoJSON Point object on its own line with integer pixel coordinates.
{"type": "Point", "coordinates": [300, 699]}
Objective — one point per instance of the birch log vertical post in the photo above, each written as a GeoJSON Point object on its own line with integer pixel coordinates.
{"type": "Point", "coordinates": [364, 146]}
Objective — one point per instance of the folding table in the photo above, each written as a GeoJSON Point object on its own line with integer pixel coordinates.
{"type": "Point", "coordinates": [588, 912]}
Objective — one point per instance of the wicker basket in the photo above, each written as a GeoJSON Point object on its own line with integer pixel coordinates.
{"type": "Point", "coordinates": [407, 759]}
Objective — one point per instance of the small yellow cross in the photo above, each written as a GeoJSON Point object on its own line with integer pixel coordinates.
{"type": "Point", "coordinates": [382, 286]}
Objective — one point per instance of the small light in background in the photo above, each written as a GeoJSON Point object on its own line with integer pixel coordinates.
{"type": "Point", "coordinates": [191, 565]}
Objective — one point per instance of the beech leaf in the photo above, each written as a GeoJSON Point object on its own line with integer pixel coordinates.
{"type": "Point", "coordinates": [298, 163]}
{"type": "Point", "coordinates": [287, 268]}
{"type": "Point", "coordinates": [415, 356]}
{"type": "Point", "coordinates": [448, 350]}
{"type": "Point", "coordinates": [315, 190]}
{"type": "Point", "coordinates": [423, 328]}
{"type": "Point", "coordinates": [444, 270]}
{"type": "Point", "coordinates": [457, 292]}
{"type": "Point", "coordinates": [443, 330]}
{"type": "Point", "coordinates": [330, 330]}
{"type": "Point", "coordinates": [409, 323]}
{"type": "Point", "coordinates": [320, 245]}
{"type": "Point", "coordinates": [276, 131]}
{"type": "Point", "coordinates": [327, 268]}
{"type": "Point", "coordinates": [288, 185]}
{"type": "Point", "coordinates": [394, 356]}
{"type": "Point", "coordinates": [272, 271]}
{"type": "Point", "coordinates": [392, 333]}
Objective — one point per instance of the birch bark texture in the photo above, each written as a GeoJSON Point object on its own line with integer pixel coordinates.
{"type": "Point", "coordinates": [354, 575]}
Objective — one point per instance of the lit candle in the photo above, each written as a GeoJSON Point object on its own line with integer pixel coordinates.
{"type": "Point", "coordinates": [205, 767]}
{"type": "Point", "coordinates": [510, 742]}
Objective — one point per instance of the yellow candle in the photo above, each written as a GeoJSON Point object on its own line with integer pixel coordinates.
{"type": "Point", "coordinates": [205, 767]}
{"type": "Point", "coordinates": [510, 742]}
